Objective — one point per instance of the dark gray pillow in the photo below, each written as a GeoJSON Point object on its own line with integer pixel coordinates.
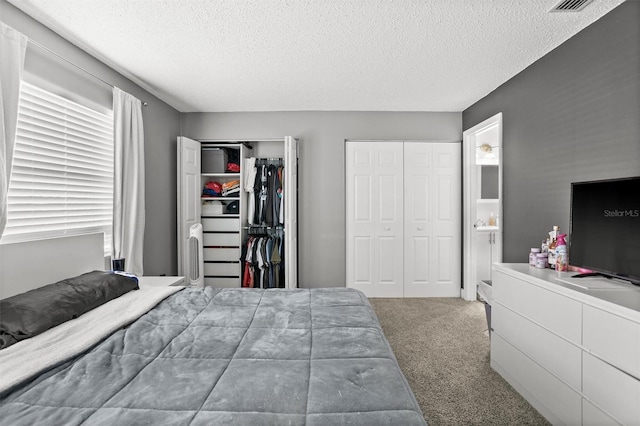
{"type": "Point", "coordinates": [29, 314]}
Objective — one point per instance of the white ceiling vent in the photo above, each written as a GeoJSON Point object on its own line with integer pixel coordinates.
{"type": "Point", "coordinates": [570, 5]}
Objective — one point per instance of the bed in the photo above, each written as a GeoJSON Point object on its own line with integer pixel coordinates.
{"type": "Point", "coordinates": [174, 355]}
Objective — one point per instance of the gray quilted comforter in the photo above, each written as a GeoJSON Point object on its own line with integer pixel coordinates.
{"type": "Point", "coordinates": [230, 356]}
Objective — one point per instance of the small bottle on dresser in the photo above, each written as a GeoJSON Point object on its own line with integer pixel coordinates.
{"type": "Point", "coordinates": [562, 259]}
{"type": "Point", "coordinates": [553, 235]}
{"type": "Point", "coordinates": [532, 256]}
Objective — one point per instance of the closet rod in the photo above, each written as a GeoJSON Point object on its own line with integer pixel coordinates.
{"type": "Point", "coordinates": [35, 43]}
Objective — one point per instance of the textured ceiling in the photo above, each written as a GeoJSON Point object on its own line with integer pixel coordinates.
{"type": "Point", "coordinates": [323, 55]}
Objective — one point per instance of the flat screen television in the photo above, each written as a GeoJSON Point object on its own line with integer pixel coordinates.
{"type": "Point", "coordinates": [605, 228]}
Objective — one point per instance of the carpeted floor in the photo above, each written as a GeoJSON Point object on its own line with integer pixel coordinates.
{"type": "Point", "coordinates": [442, 346]}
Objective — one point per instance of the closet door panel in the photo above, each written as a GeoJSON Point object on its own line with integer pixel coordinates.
{"type": "Point", "coordinates": [432, 209]}
{"type": "Point", "coordinates": [362, 199]}
{"type": "Point", "coordinates": [360, 250]}
{"type": "Point", "coordinates": [418, 187]}
{"type": "Point", "coordinates": [418, 209]}
{"type": "Point", "coordinates": [447, 225]}
{"type": "Point", "coordinates": [447, 264]}
{"type": "Point", "coordinates": [387, 194]}
{"type": "Point", "coordinates": [374, 218]}
{"type": "Point", "coordinates": [447, 260]}
{"type": "Point", "coordinates": [363, 267]}
{"type": "Point", "coordinates": [291, 211]}
{"type": "Point", "coordinates": [360, 231]}
{"type": "Point", "coordinates": [419, 271]}
{"type": "Point", "coordinates": [388, 218]}
{"type": "Point", "coordinates": [188, 152]}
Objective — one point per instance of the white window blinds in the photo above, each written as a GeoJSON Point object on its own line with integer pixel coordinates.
{"type": "Point", "coordinates": [62, 175]}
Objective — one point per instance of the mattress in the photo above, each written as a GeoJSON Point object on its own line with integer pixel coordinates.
{"type": "Point", "coordinates": [229, 356]}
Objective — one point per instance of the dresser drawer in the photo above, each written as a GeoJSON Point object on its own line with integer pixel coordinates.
{"type": "Point", "coordinates": [222, 282]}
{"type": "Point", "coordinates": [221, 224]}
{"type": "Point", "coordinates": [552, 311]}
{"type": "Point", "coordinates": [552, 352]}
{"type": "Point", "coordinates": [222, 269]}
{"type": "Point", "coordinates": [615, 392]}
{"type": "Point", "coordinates": [221, 239]}
{"type": "Point", "coordinates": [612, 338]}
{"type": "Point", "coordinates": [221, 254]}
{"type": "Point", "coordinates": [559, 403]}
{"type": "Point", "coordinates": [593, 416]}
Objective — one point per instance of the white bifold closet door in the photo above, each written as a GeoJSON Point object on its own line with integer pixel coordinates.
{"type": "Point", "coordinates": [374, 188]}
{"type": "Point", "coordinates": [189, 158]}
{"type": "Point", "coordinates": [403, 218]}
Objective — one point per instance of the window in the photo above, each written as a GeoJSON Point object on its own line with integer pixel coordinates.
{"type": "Point", "coordinates": [62, 175]}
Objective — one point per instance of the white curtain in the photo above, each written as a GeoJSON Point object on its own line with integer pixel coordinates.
{"type": "Point", "coordinates": [13, 47]}
{"type": "Point", "coordinates": [128, 183]}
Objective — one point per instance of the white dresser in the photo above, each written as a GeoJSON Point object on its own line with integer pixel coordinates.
{"type": "Point", "coordinates": [572, 352]}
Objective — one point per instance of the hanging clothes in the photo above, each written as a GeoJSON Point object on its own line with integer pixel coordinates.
{"type": "Point", "coordinates": [263, 265]}
{"type": "Point", "coordinates": [249, 181]}
{"type": "Point", "coordinates": [247, 259]}
{"type": "Point", "coordinates": [280, 191]}
{"type": "Point", "coordinates": [263, 260]}
{"type": "Point", "coordinates": [260, 194]}
{"type": "Point", "coordinates": [275, 263]}
{"type": "Point", "coordinates": [283, 283]}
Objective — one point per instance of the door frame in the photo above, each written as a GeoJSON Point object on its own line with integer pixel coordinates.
{"type": "Point", "coordinates": [469, 183]}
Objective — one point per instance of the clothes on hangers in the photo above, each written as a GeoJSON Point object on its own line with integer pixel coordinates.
{"type": "Point", "coordinates": [262, 264]}
{"type": "Point", "coordinates": [266, 206]}
{"type": "Point", "coordinates": [280, 194]}
{"type": "Point", "coordinates": [249, 181]}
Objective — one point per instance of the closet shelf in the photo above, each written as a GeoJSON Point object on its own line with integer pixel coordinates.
{"type": "Point", "coordinates": [226, 175]}
{"type": "Point", "coordinates": [264, 226]}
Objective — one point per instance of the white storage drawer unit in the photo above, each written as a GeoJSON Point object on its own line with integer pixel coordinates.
{"type": "Point", "coordinates": [593, 416]}
{"type": "Point", "coordinates": [613, 390]}
{"type": "Point", "coordinates": [221, 254]}
{"type": "Point", "coordinates": [221, 282]}
{"type": "Point", "coordinates": [221, 240]}
{"type": "Point", "coordinates": [223, 224]}
{"type": "Point", "coordinates": [573, 353]}
{"type": "Point", "coordinates": [613, 338]}
{"type": "Point", "coordinates": [222, 269]}
{"type": "Point", "coordinates": [558, 355]}
{"type": "Point", "coordinates": [562, 403]}
{"type": "Point", "coordinates": [552, 311]}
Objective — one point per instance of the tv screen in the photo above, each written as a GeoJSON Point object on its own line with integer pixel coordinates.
{"type": "Point", "coordinates": [605, 227]}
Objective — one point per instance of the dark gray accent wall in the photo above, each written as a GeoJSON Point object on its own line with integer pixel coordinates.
{"type": "Point", "coordinates": [321, 173]}
{"type": "Point", "coordinates": [161, 127]}
{"type": "Point", "coordinates": [573, 115]}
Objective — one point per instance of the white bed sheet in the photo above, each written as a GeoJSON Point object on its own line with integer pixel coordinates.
{"type": "Point", "coordinates": [32, 356]}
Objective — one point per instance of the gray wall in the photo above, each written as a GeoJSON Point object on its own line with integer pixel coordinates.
{"type": "Point", "coordinates": [162, 125]}
{"type": "Point", "coordinates": [321, 171]}
{"type": "Point", "coordinates": [574, 115]}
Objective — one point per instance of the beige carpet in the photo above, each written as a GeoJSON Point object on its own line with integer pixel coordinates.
{"type": "Point", "coordinates": [442, 346]}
